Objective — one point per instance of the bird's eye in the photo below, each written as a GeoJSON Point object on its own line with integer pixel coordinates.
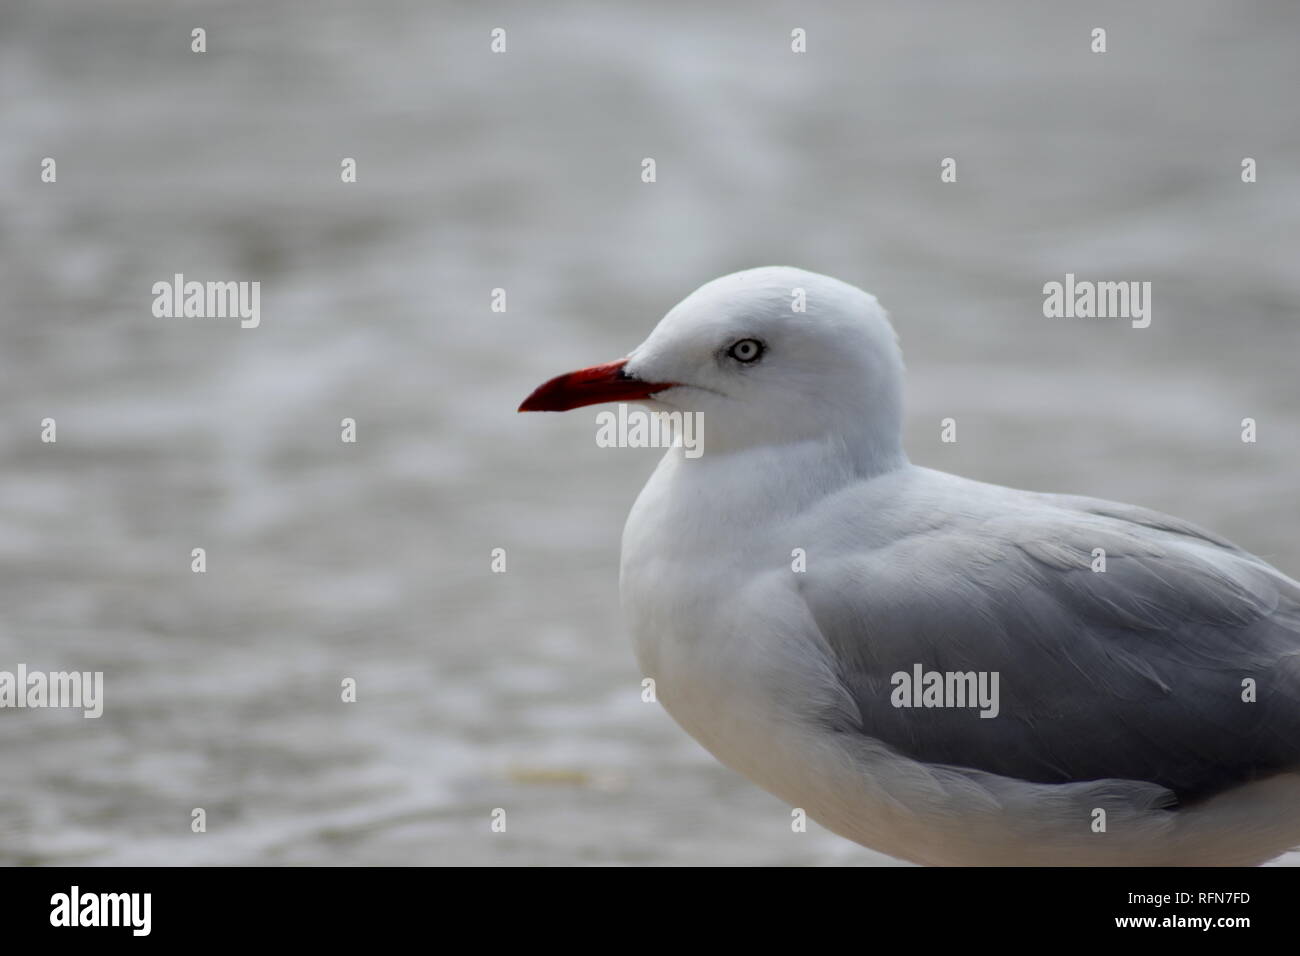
{"type": "Point", "coordinates": [747, 351]}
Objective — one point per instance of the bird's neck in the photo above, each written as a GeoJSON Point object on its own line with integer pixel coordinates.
{"type": "Point", "coordinates": [769, 479]}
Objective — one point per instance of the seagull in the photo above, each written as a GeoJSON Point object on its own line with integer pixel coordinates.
{"type": "Point", "coordinates": [1147, 672]}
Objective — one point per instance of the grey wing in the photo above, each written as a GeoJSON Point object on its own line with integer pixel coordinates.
{"type": "Point", "coordinates": [1179, 664]}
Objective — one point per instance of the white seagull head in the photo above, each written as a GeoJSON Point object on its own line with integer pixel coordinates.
{"type": "Point", "coordinates": [768, 356]}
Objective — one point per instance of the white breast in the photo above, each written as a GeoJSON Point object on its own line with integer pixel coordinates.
{"type": "Point", "coordinates": [715, 619]}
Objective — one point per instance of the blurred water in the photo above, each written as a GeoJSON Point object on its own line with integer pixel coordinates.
{"type": "Point", "coordinates": [371, 561]}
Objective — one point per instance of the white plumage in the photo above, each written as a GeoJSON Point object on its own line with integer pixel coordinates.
{"type": "Point", "coordinates": [1124, 694]}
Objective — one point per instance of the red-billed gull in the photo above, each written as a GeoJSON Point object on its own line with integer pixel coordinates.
{"type": "Point", "coordinates": [943, 672]}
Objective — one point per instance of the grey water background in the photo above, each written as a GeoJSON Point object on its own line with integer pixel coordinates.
{"type": "Point", "coordinates": [522, 171]}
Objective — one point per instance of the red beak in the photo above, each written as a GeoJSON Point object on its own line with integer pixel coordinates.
{"type": "Point", "coordinates": [590, 386]}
